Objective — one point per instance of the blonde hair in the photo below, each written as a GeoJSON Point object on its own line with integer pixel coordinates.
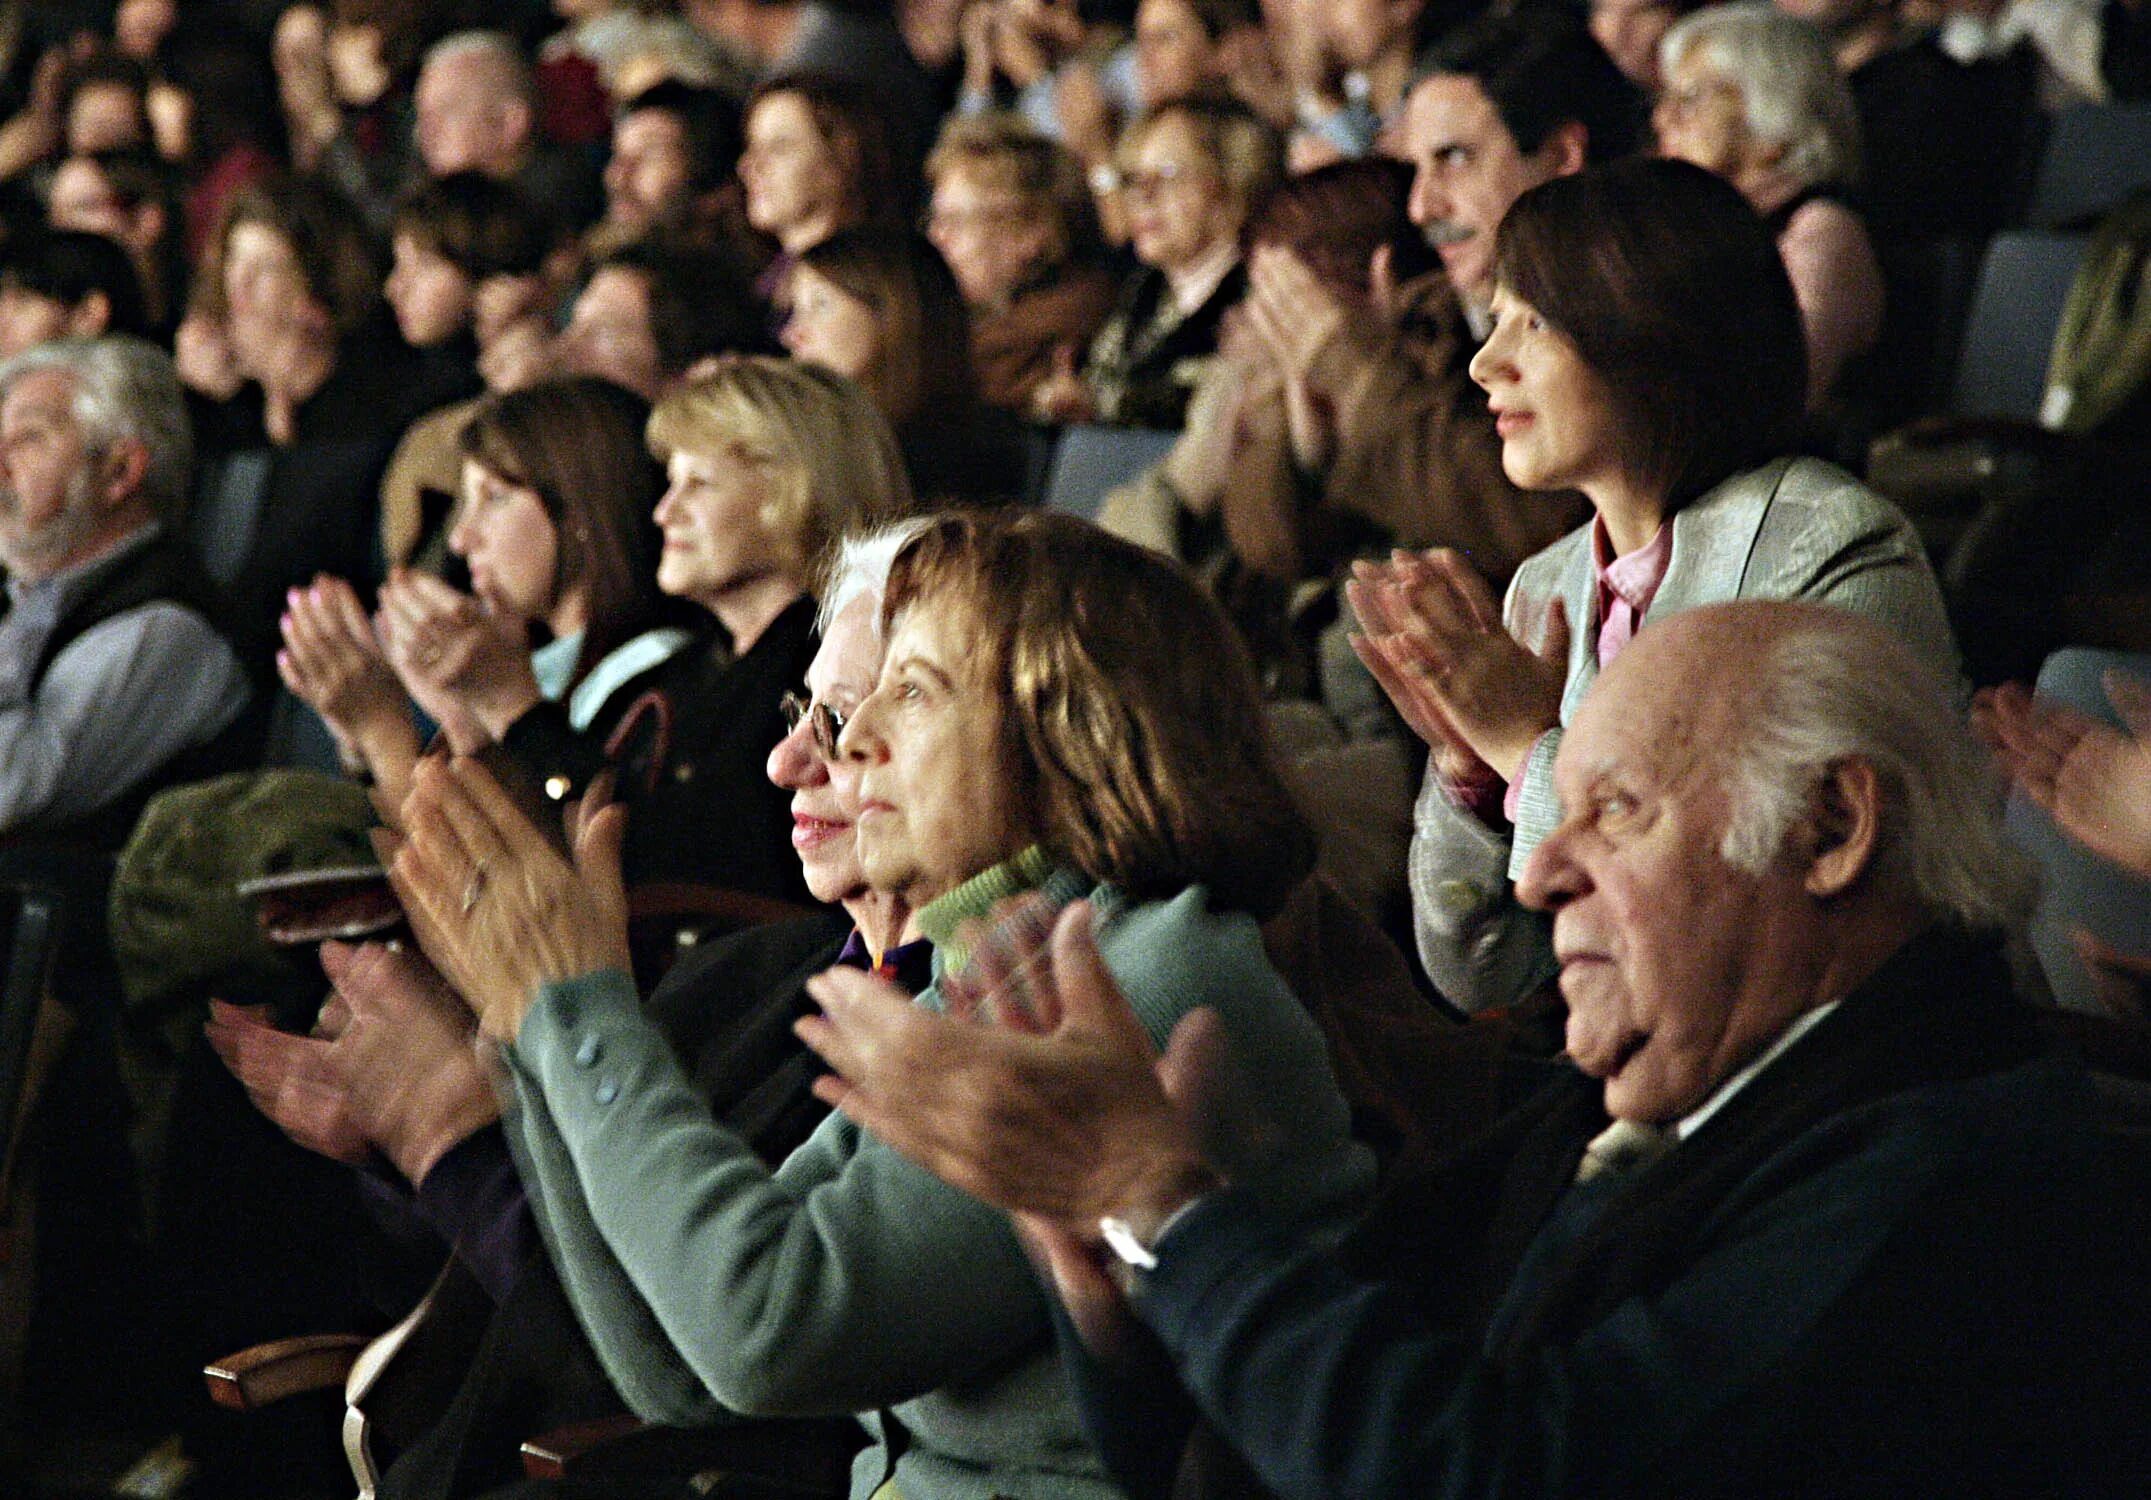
{"type": "Point", "coordinates": [832, 462]}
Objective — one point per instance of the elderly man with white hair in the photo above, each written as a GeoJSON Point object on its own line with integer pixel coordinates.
{"type": "Point", "coordinates": [110, 670]}
{"type": "Point", "coordinates": [1810, 1209]}
{"type": "Point", "coordinates": [477, 109]}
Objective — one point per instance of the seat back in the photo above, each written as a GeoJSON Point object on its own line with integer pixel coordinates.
{"type": "Point", "coordinates": [1092, 460]}
{"type": "Point", "coordinates": [2023, 283]}
{"type": "Point", "coordinates": [2096, 154]}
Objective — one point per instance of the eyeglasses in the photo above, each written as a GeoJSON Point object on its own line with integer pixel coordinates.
{"type": "Point", "coordinates": [824, 722]}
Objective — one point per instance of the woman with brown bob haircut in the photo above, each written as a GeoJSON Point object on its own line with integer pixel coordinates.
{"type": "Point", "coordinates": [1131, 711]}
{"type": "Point", "coordinates": [1646, 351]}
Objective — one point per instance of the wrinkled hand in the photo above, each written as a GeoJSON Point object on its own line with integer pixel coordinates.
{"type": "Point", "coordinates": [290, 1079]}
{"type": "Point", "coordinates": [1064, 1114]}
{"type": "Point", "coordinates": [466, 664]}
{"type": "Point", "coordinates": [1434, 639]}
{"type": "Point", "coordinates": [333, 663]}
{"type": "Point", "coordinates": [2102, 794]}
{"type": "Point", "coordinates": [2030, 737]}
{"type": "Point", "coordinates": [495, 907]}
{"type": "Point", "coordinates": [404, 1054]}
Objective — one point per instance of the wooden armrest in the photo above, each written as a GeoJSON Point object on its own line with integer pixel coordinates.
{"type": "Point", "coordinates": [265, 1373]}
{"type": "Point", "coordinates": [769, 1459]}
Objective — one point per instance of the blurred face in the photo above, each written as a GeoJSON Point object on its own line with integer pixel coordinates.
{"type": "Point", "coordinates": [1179, 210]}
{"type": "Point", "coordinates": [82, 198]}
{"type": "Point", "coordinates": [105, 117]}
{"type": "Point", "coordinates": [792, 177]}
{"type": "Point", "coordinates": [1630, 30]}
{"type": "Point", "coordinates": [650, 178]}
{"type": "Point", "coordinates": [936, 790]}
{"type": "Point", "coordinates": [510, 542]}
{"type": "Point", "coordinates": [1469, 170]}
{"type": "Point", "coordinates": [139, 27]}
{"type": "Point", "coordinates": [1677, 968]}
{"type": "Point", "coordinates": [1701, 118]}
{"type": "Point", "coordinates": [1554, 413]}
{"type": "Point", "coordinates": [717, 534]}
{"type": "Point", "coordinates": [608, 335]}
{"type": "Point", "coordinates": [267, 303]}
{"type": "Point", "coordinates": [430, 294]}
{"type": "Point", "coordinates": [1360, 31]}
{"type": "Point", "coordinates": [831, 328]}
{"type": "Point", "coordinates": [1173, 54]}
{"type": "Point", "coordinates": [47, 510]}
{"type": "Point", "coordinates": [28, 319]}
{"type": "Point", "coordinates": [467, 119]}
{"type": "Point", "coordinates": [991, 239]}
{"type": "Point", "coordinates": [825, 793]}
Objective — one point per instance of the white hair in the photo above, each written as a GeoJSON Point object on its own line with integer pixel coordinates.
{"type": "Point", "coordinates": [1835, 687]}
{"type": "Point", "coordinates": [126, 390]}
{"type": "Point", "coordinates": [861, 566]}
{"type": "Point", "coordinates": [1791, 90]}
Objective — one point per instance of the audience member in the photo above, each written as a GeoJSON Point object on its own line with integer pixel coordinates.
{"type": "Point", "coordinates": [985, 767]}
{"type": "Point", "coordinates": [213, 111]}
{"type": "Point", "coordinates": [726, 1007]}
{"type": "Point", "coordinates": [1756, 1236]}
{"type": "Point", "coordinates": [111, 674]}
{"type": "Point", "coordinates": [1014, 219]}
{"type": "Point", "coordinates": [477, 111]}
{"type": "Point", "coordinates": [127, 197]}
{"type": "Point", "coordinates": [63, 283]}
{"type": "Point", "coordinates": [1647, 351]}
{"type": "Point", "coordinates": [879, 307]}
{"type": "Point", "coordinates": [1187, 49]}
{"type": "Point", "coordinates": [1630, 31]}
{"type": "Point", "coordinates": [769, 463]}
{"type": "Point", "coordinates": [459, 244]}
{"type": "Point", "coordinates": [1369, 47]}
{"type": "Point", "coordinates": [104, 105]}
{"type": "Point", "coordinates": [818, 158]}
{"type": "Point", "coordinates": [675, 150]}
{"type": "Point", "coordinates": [650, 312]}
{"type": "Point", "coordinates": [1192, 173]}
{"type": "Point", "coordinates": [1753, 95]}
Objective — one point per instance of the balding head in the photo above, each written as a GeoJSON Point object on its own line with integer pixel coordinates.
{"type": "Point", "coordinates": [476, 111]}
{"type": "Point", "coordinates": [1761, 803]}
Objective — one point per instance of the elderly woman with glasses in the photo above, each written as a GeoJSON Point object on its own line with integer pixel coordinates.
{"type": "Point", "coordinates": [1190, 175]}
{"type": "Point", "coordinates": [1025, 734]}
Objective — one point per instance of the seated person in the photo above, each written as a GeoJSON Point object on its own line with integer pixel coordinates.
{"type": "Point", "coordinates": [1647, 351]}
{"type": "Point", "coordinates": [880, 308]}
{"type": "Point", "coordinates": [1809, 1210]}
{"type": "Point", "coordinates": [65, 283]}
{"type": "Point", "coordinates": [456, 241]}
{"type": "Point", "coordinates": [769, 462]}
{"type": "Point", "coordinates": [127, 196]}
{"type": "Point", "coordinates": [1191, 175]}
{"type": "Point", "coordinates": [1026, 733]}
{"type": "Point", "coordinates": [727, 1007]}
{"type": "Point", "coordinates": [112, 676]}
{"type": "Point", "coordinates": [1013, 217]}
{"type": "Point", "coordinates": [1754, 95]}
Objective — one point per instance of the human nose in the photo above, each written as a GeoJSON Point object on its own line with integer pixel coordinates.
{"type": "Point", "coordinates": [1491, 363]}
{"type": "Point", "coordinates": [463, 536]}
{"type": "Point", "coordinates": [862, 740]}
{"type": "Point", "coordinates": [794, 762]}
{"type": "Point", "coordinates": [1422, 206]}
{"type": "Point", "coordinates": [1551, 876]}
{"type": "Point", "coordinates": [668, 505]}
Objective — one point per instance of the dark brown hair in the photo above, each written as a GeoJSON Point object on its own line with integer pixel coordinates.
{"type": "Point", "coordinates": [482, 227]}
{"type": "Point", "coordinates": [924, 326]}
{"type": "Point", "coordinates": [327, 237]}
{"type": "Point", "coordinates": [1673, 291]}
{"type": "Point", "coordinates": [578, 443]}
{"type": "Point", "coordinates": [1134, 717]}
{"type": "Point", "coordinates": [862, 135]}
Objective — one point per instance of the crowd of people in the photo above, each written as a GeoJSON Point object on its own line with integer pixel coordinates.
{"type": "Point", "coordinates": [1452, 933]}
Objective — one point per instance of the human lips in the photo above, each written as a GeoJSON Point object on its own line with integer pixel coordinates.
{"type": "Point", "coordinates": [1508, 421]}
{"type": "Point", "coordinates": [810, 831]}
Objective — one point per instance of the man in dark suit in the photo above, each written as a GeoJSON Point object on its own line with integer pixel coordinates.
{"type": "Point", "coordinates": [1808, 1209]}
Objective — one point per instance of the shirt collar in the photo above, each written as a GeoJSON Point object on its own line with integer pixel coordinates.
{"type": "Point", "coordinates": [1693, 1121]}
{"type": "Point", "coordinates": [1634, 578]}
{"type": "Point", "coordinates": [908, 964]}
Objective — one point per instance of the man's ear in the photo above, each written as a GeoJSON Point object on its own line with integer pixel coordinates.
{"type": "Point", "coordinates": [120, 471]}
{"type": "Point", "coordinates": [1847, 827]}
{"type": "Point", "coordinates": [1566, 149]}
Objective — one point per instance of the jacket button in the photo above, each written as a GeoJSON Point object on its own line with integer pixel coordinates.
{"type": "Point", "coordinates": [607, 1092]}
{"type": "Point", "coordinates": [587, 1052]}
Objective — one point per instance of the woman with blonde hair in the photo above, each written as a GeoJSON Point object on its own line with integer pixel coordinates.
{"type": "Point", "coordinates": [768, 462]}
{"type": "Point", "coordinates": [1026, 734]}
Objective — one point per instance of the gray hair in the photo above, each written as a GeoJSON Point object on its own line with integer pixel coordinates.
{"type": "Point", "coordinates": [860, 568]}
{"type": "Point", "coordinates": [126, 390]}
{"type": "Point", "coordinates": [497, 46]}
{"type": "Point", "coordinates": [1835, 687]}
{"type": "Point", "coordinates": [1790, 87]}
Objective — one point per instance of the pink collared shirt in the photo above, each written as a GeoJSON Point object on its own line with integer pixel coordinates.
{"type": "Point", "coordinates": [1626, 587]}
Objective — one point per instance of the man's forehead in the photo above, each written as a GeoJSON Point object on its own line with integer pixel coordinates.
{"type": "Point", "coordinates": [47, 392]}
{"type": "Point", "coordinates": [1446, 107]}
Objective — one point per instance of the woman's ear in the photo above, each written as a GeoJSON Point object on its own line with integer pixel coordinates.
{"type": "Point", "coordinates": [1847, 827]}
